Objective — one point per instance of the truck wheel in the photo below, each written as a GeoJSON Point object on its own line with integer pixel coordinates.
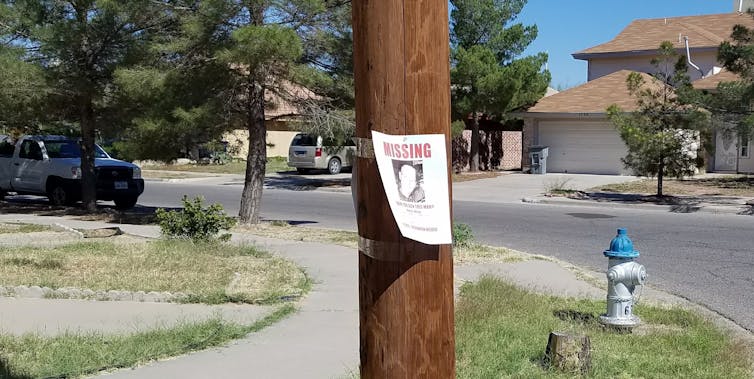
{"type": "Point", "coordinates": [333, 167]}
{"type": "Point", "coordinates": [125, 202]}
{"type": "Point", "coordinates": [3, 194]}
{"type": "Point", "coordinates": [59, 195]}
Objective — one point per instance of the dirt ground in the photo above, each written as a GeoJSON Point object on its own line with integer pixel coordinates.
{"type": "Point", "coordinates": [740, 185]}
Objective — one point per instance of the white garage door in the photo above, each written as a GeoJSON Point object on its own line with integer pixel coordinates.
{"type": "Point", "coordinates": [582, 147]}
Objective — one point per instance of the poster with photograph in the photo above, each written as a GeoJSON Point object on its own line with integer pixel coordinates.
{"type": "Point", "coordinates": [414, 172]}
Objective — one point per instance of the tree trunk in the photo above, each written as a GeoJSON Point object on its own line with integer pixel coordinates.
{"type": "Point", "coordinates": [474, 154]}
{"type": "Point", "coordinates": [660, 174]}
{"type": "Point", "coordinates": [256, 160]}
{"type": "Point", "coordinates": [88, 174]}
{"type": "Point", "coordinates": [568, 353]}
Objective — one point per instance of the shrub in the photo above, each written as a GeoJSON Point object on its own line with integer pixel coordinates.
{"type": "Point", "coordinates": [195, 221]}
{"type": "Point", "coordinates": [457, 128]}
{"type": "Point", "coordinates": [462, 235]}
{"type": "Point", "coordinates": [557, 186]}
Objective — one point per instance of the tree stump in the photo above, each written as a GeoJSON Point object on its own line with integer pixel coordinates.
{"type": "Point", "coordinates": [568, 353]}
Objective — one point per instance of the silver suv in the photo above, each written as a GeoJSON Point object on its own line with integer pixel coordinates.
{"type": "Point", "coordinates": [307, 153]}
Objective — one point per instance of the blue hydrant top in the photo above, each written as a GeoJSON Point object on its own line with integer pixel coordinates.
{"type": "Point", "coordinates": [621, 246]}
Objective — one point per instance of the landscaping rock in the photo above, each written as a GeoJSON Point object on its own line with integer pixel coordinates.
{"type": "Point", "coordinates": [72, 293]}
{"type": "Point", "coordinates": [35, 292]}
{"type": "Point", "coordinates": [152, 297]}
{"type": "Point", "coordinates": [101, 232]}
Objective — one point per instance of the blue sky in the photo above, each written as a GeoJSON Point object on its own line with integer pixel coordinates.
{"type": "Point", "coordinates": [568, 26]}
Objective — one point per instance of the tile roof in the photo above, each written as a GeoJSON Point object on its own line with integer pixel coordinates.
{"type": "Point", "coordinates": [711, 82]}
{"type": "Point", "coordinates": [282, 106]}
{"type": "Point", "coordinates": [591, 97]}
{"type": "Point", "coordinates": [647, 34]}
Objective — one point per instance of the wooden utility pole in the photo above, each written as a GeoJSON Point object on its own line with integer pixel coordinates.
{"type": "Point", "coordinates": [402, 74]}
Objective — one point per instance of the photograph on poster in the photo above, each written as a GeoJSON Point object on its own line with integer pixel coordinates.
{"type": "Point", "coordinates": [409, 178]}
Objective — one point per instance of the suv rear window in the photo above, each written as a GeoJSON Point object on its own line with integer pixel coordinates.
{"type": "Point", "coordinates": [304, 140]}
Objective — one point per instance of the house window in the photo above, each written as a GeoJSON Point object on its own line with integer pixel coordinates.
{"type": "Point", "coordinates": [745, 147]}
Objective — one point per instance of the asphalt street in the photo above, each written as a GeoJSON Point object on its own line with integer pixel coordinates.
{"type": "Point", "coordinates": [706, 258]}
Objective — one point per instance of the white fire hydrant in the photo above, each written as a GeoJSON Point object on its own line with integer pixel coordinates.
{"type": "Point", "coordinates": [623, 275]}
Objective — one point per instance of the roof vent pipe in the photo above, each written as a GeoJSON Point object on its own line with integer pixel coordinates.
{"type": "Point", "coordinates": [688, 56]}
{"type": "Point", "coordinates": [740, 6]}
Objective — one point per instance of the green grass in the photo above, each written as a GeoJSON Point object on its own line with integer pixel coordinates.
{"type": "Point", "coordinates": [274, 164]}
{"type": "Point", "coordinates": [74, 355]}
{"type": "Point", "coordinates": [209, 273]}
{"type": "Point", "coordinates": [502, 331]}
{"type": "Point", "coordinates": [6, 228]}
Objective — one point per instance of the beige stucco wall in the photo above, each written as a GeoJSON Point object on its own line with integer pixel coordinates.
{"type": "Point", "coordinates": [601, 67]}
{"type": "Point", "coordinates": [278, 142]}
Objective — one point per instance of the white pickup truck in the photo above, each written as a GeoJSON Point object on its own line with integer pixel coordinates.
{"type": "Point", "coordinates": [51, 166]}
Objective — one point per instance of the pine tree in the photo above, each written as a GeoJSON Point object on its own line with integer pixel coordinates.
{"type": "Point", "coordinates": [487, 77]}
{"type": "Point", "coordinates": [659, 133]}
{"type": "Point", "coordinates": [79, 44]}
{"type": "Point", "coordinates": [221, 60]}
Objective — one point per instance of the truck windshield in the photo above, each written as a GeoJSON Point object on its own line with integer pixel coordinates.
{"type": "Point", "coordinates": [69, 149]}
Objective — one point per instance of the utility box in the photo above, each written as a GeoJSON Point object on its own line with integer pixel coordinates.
{"type": "Point", "coordinates": [538, 155]}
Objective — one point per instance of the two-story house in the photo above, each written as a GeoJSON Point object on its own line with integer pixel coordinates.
{"type": "Point", "coordinates": [574, 124]}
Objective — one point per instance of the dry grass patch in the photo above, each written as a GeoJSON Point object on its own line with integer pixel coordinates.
{"type": "Point", "coordinates": [468, 176]}
{"type": "Point", "coordinates": [472, 253]}
{"type": "Point", "coordinates": [211, 273]}
{"type": "Point", "coordinates": [229, 168]}
{"type": "Point", "coordinates": [478, 253]}
{"type": "Point", "coordinates": [274, 164]}
{"type": "Point", "coordinates": [8, 228]}
{"type": "Point", "coordinates": [150, 174]}
{"type": "Point", "coordinates": [283, 230]}
{"type": "Point", "coordinates": [733, 185]}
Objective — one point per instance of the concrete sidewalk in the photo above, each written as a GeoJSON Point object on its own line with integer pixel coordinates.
{"type": "Point", "coordinates": [321, 339]}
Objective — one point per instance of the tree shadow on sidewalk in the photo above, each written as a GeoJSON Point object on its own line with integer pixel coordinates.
{"type": "Point", "coordinates": [299, 183]}
{"type": "Point", "coordinates": [138, 215]}
{"type": "Point", "coordinates": [677, 204]}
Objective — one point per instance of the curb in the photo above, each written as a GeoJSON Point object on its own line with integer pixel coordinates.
{"type": "Point", "coordinates": [178, 180]}
{"type": "Point", "coordinates": [71, 293]}
{"type": "Point", "coordinates": [714, 209]}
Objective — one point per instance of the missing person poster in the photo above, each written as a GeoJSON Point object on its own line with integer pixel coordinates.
{"type": "Point", "coordinates": [414, 171]}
